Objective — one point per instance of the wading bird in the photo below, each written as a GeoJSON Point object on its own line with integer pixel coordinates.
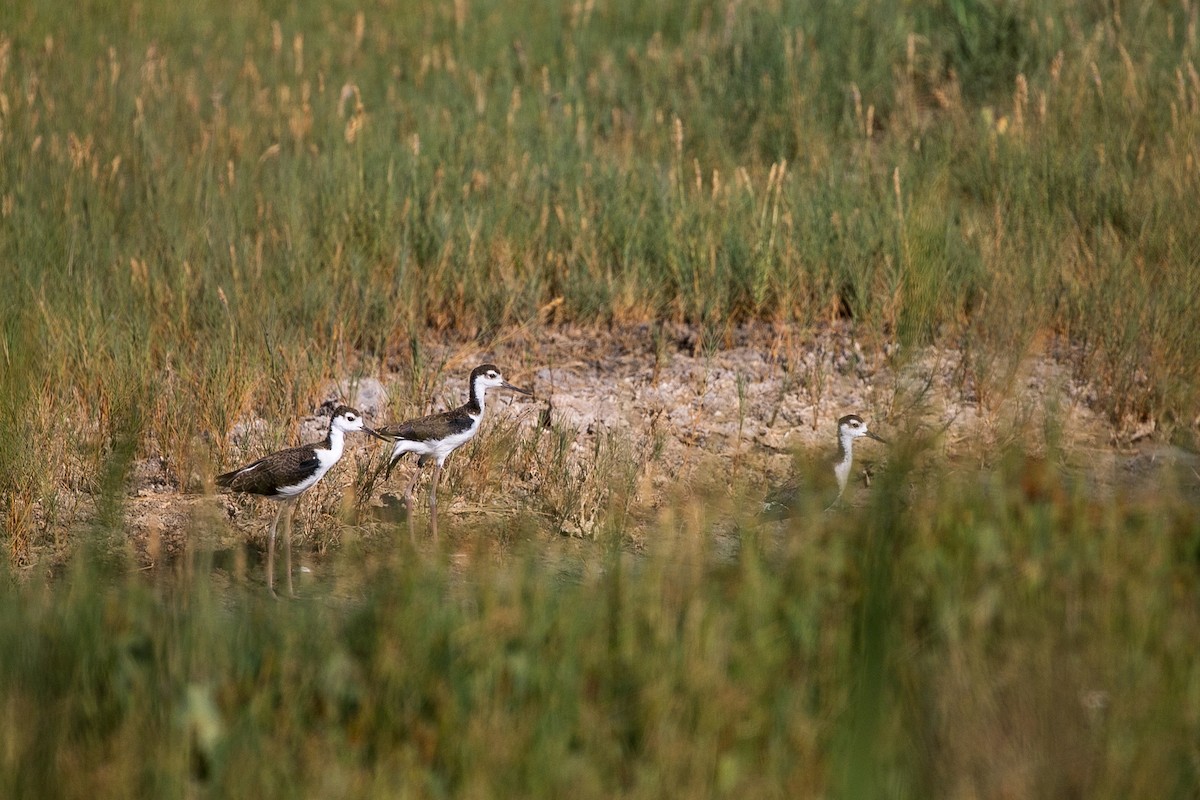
{"type": "Point", "coordinates": [783, 500]}
{"type": "Point", "coordinates": [287, 474]}
{"type": "Point", "coordinates": [435, 437]}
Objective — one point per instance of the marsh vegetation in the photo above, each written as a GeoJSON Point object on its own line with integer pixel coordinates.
{"type": "Point", "coordinates": [971, 221]}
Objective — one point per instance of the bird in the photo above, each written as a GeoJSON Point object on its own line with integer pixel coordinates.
{"type": "Point", "coordinates": [285, 475]}
{"type": "Point", "coordinates": [436, 436]}
{"type": "Point", "coordinates": [781, 501]}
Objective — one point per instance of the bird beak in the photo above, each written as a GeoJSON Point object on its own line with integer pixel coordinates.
{"type": "Point", "coordinates": [507, 385]}
{"type": "Point", "coordinates": [375, 433]}
{"type": "Point", "coordinates": [876, 437]}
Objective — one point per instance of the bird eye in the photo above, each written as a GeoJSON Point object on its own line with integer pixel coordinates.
{"type": "Point", "coordinates": [350, 417]}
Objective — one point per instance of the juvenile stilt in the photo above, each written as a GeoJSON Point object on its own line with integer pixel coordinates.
{"type": "Point", "coordinates": [781, 502]}
{"type": "Point", "coordinates": [436, 436]}
{"type": "Point", "coordinates": [850, 427]}
{"type": "Point", "coordinates": [287, 474]}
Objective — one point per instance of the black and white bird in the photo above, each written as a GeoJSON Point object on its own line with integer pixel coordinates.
{"type": "Point", "coordinates": [435, 437]}
{"type": "Point", "coordinates": [287, 474]}
{"type": "Point", "coordinates": [783, 500]}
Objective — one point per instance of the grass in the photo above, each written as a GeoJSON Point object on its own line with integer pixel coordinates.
{"type": "Point", "coordinates": [1000, 637]}
{"type": "Point", "coordinates": [375, 174]}
{"type": "Point", "coordinates": [207, 213]}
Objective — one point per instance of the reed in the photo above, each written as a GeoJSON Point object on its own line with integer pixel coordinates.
{"type": "Point", "coordinates": [208, 211]}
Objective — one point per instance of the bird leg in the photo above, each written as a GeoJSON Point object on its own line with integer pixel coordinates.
{"type": "Point", "coordinates": [408, 492]}
{"type": "Point", "coordinates": [271, 550]}
{"type": "Point", "coordinates": [437, 473]}
{"type": "Point", "coordinates": [287, 546]}
{"type": "Point", "coordinates": [837, 501]}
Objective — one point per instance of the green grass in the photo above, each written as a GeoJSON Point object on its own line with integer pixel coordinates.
{"type": "Point", "coordinates": [208, 210]}
{"type": "Point", "coordinates": [277, 184]}
{"type": "Point", "coordinates": [990, 636]}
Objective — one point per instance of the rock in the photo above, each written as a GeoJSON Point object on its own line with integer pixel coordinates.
{"type": "Point", "coordinates": [585, 414]}
{"type": "Point", "coordinates": [246, 431]}
{"type": "Point", "coordinates": [313, 429]}
{"type": "Point", "coordinates": [366, 394]}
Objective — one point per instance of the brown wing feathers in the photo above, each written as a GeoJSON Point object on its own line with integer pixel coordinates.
{"type": "Point", "coordinates": [264, 476]}
{"type": "Point", "coordinates": [434, 426]}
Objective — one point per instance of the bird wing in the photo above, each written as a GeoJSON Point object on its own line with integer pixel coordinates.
{"type": "Point", "coordinates": [431, 426]}
{"type": "Point", "coordinates": [269, 473]}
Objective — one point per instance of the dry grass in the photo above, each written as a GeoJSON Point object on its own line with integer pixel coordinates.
{"type": "Point", "coordinates": [209, 213]}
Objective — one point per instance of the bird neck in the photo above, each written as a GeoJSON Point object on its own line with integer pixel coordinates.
{"type": "Point", "coordinates": [845, 447]}
{"type": "Point", "coordinates": [335, 440]}
{"type": "Point", "coordinates": [475, 404]}
{"type": "Point", "coordinates": [845, 456]}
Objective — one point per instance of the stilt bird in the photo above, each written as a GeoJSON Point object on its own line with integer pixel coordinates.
{"type": "Point", "coordinates": [850, 427]}
{"type": "Point", "coordinates": [287, 474]}
{"type": "Point", "coordinates": [435, 437]}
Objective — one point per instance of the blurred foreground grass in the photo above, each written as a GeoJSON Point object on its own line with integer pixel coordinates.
{"type": "Point", "coordinates": [207, 210]}
{"type": "Point", "coordinates": [986, 636]}
{"type": "Point", "coordinates": [210, 210]}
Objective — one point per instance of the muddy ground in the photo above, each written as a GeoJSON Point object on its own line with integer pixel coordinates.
{"type": "Point", "coordinates": [756, 396]}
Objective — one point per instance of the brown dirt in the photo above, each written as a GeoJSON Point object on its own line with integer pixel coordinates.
{"type": "Point", "coordinates": [756, 394]}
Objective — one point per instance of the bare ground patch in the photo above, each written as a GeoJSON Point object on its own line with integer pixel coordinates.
{"type": "Point", "coordinates": [672, 408]}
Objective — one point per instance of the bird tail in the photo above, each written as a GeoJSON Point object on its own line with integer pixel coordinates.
{"type": "Point", "coordinates": [780, 502]}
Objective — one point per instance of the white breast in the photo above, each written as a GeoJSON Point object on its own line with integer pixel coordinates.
{"type": "Point", "coordinates": [325, 459]}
